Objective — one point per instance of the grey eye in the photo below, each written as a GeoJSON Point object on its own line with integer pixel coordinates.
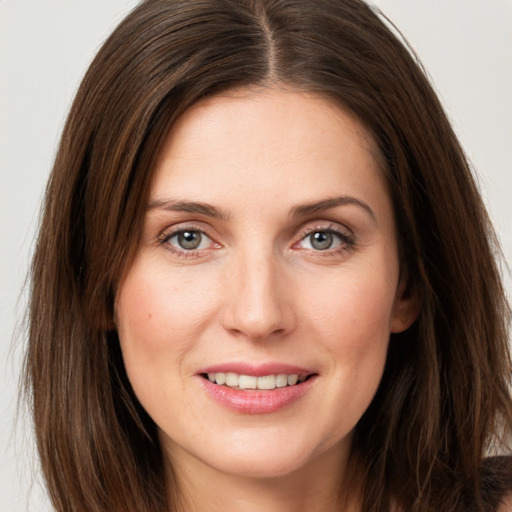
{"type": "Point", "coordinates": [321, 240]}
{"type": "Point", "coordinates": [188, 240]}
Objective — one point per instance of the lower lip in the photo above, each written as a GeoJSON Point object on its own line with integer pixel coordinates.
{"type": "Point", "coordinates": [250, 401]}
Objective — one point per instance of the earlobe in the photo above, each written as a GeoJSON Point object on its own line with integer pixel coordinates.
{"type": "Point", "coordinates": [406, 308]}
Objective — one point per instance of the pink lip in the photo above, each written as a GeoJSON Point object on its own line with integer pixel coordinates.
{"type": "Point", "coordinates": [256, 370]}
{"type": "Point", "coordinates": [256, 401]}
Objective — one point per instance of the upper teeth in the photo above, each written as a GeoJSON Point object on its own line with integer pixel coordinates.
{"type": "Point", "coordinates": [234, 380]}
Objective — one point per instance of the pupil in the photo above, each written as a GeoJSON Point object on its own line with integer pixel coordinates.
{"type": "Point", "coordinates": [189, 239]}
{"type": "Point", "coordinates": [321, 240]}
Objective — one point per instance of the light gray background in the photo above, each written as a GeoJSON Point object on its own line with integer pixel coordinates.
{"type": "Point", "coordinates": [45, 46]}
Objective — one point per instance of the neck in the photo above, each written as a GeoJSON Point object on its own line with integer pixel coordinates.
{"type": "Point", "coordinates": [312, 489]}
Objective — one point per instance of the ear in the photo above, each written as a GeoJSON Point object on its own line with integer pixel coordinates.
{"type": "Point", "coordinates": [407, 306]}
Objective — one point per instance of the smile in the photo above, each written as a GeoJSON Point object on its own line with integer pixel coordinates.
{"type": "Point", "coordinates": [264, 382]}
{"type": "Point", "coordinates": [256, 394]}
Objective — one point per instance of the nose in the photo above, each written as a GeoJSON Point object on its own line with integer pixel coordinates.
{"type": "Point", "coordinates": [259, 304]}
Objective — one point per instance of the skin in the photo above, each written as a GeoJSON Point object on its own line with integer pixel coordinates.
{"type": "Point", "coordinates": [506, 504]}
{"type": "Point", "coordinates": [258, 290]}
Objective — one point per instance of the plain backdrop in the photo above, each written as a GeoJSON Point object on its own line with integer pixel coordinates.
{"type": "Point", "coordinates": [45, 47]}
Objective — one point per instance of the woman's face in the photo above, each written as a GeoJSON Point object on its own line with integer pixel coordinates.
{"type": "Point", "coordinates": [268, 260]}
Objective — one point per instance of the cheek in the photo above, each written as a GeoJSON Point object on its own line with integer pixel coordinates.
{"type": "Point", "coordinates": [352, 326]}
{"type": "Point", "coordinates": [153, 307]}
{"type": "Point", "coordinates": [355, 310]}
{"type": "Point", "coordinates": [159, 317]}
{"type": "Point", "coordinates": [349, 323]}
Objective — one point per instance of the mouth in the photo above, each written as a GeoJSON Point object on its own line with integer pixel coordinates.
{"type": "Point", "coordinates": [252, 382]}
{"type": "Point", "coordinates": [247, 388]}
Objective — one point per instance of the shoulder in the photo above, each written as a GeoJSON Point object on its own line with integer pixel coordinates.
{"type": "Point", "coordinates": [496, 483]}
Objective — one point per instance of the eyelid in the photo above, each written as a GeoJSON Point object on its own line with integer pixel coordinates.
{"type": "Point", "coordinates": [171, 231]}
{"type": "Point", "coordinates": [347, 237]}
{"type": "Point", "coordinates": [325, 226]}
{"type": "Point", "coordinates": [184, 226]}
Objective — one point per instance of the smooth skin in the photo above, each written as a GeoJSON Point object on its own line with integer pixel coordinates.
{"type": "Point", "coordinates": [269, 237]}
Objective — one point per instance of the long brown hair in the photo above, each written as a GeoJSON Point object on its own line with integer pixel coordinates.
{"type": "Point", "coordinates": [444, 400]}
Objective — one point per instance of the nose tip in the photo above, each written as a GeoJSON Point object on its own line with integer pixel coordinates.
{"type": "Point", "coordinates": [256, 321]}
{"type": "Point", "coordinates": [258, 307]}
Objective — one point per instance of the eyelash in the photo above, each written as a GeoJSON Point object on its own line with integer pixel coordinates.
{"type": "Point", "coordinates": [167, 235]}
{"type": "Point", "coordinates": [347, 241]}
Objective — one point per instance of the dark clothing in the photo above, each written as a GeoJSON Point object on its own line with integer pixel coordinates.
{"type": "Point", "coordinates": [496, 478]}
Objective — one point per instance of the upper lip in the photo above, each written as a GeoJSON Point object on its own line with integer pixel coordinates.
{"type": "Point", "coordinates": [256, 370]}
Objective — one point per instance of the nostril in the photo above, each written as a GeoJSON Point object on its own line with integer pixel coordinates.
{"type": "Point", "coordinates": [258, 308]}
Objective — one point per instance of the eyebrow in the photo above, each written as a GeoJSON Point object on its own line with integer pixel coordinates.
{"type": "Point", "coordinates": [302, 210]}
{"type": "Point", "coordinates": [188, 206]}
{"type": "Point", "coordinates": [326, 204]}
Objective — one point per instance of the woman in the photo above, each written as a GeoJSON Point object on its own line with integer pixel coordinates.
{"type": "Point", "coordinates": [265, 278]}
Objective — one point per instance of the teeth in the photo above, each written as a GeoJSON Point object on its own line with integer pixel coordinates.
{"type": "Point", "coordinates": [281, 380]}
{"type": "Point", "coordinates": [292, 380]}
{"type": "Point", "coordinates": [234, 380]}
{"type": "Point", "coordinates": [247, 382]}
{"type": "Point", "coordinates": [267, 382]}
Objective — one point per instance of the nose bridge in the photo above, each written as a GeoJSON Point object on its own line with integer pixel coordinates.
{"type": "Point", "coordinates": [257, 306]}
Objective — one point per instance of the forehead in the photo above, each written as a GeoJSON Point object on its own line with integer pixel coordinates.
{"type": "Point", "coordinates": [258, 109]}
{"type": "Point", "coordinates": [290, 145]}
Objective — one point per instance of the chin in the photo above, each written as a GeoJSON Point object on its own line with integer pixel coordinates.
{"type": "Point", "coordinates": [264, 467]}
{"type": "Point", "coordinates": [274, 459]}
